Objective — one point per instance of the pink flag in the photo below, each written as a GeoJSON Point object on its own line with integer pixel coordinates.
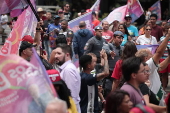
{"type": "Point", "coordinates": [117, 14]}
{"type": "Point", "coordinates": [25, 25]}
{"type": "Point", "coordinates": [7, 6]}
{"type": "Point", "coordinates": [24, 87]}
{"type": "Point", "coordinates": [134, 9]}
{"type": "Point", "coordinates": [96, 6]}
{"type": "Point", "coordinates": [156, 8]}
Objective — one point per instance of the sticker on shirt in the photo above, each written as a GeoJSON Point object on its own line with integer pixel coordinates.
{"type": "Point", "coordinates": [106, 37]}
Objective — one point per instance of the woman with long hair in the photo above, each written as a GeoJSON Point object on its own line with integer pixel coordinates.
{"type": "Point", "coordinates": [123, 29]}
{"type": "Point", "coordinates": [146, 39]}
{"type": "Point", "coordinates": [118, 102]}
{"type": "Point", "coordinates": [128, 51]}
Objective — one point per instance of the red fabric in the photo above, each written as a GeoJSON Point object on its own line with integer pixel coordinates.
{"type": "Point", "coordinates": [117, 72]}
{"type": "Point", "coordinates": [107, 35]}
{"type": "Point", "coordinates": [95, 23]}
{"type": "Point", "coordinates": [28, 38]}
{"type": "Point", "coordinates": [138, 110]}
{"type": "Point", "coordinates": [167, 69]}
{"type": "Point", "coordinates": [167, 98]}
{"type": "Point", "coordinates": [54, 75]}
{"type": "Point", "coordinates": [157, 32]}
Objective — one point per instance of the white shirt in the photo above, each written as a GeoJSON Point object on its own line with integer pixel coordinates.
{"type": "Point", "coordinates": [4, 18]}
{"type": "Point", "coordinates": [142, 40]}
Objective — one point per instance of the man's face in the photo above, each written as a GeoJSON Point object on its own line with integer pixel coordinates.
{"type": "Point", "coordinates": [99, 33]}
{"type": "Point", "coordinates": [64, 25]}
{"type": "Point", "coordinates": [128, 21]}
{"type": "Point", "coordinates": [105, 25]}
{"type": "Point", "coordinates": [56, 21]}
{"type": "Point", "coordinates": [67, 7]}
{"type": "Point", "coordinates": [141, 75]}
{"type": "Point", "coordinates": [59, 56]}
{"type": "Point", "coordinates": [153, 20]}
{"type": "Point", "coordinates": [118, 40]}
{"type": "Point", "coordinates": [48, 15]}
{"type": "Point", "coordinates": [28, 52]}
{"type": "Point", "coordinates": [93, 63]}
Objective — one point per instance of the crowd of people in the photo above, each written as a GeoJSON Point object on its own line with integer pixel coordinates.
{"type": "Point", "coordinates": [113, 76]}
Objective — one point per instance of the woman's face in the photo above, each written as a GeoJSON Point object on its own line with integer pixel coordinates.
{"type": "Point", "coordinates": [148, 30]}
{"type": "Point", "coordinates": [149, 23]}
{"type": "Point", "coordinates": [166, 28]}
{"type": "Point", "coordinates": [126, 105]}
{"type": "Point", "coordinates": [121, 28]}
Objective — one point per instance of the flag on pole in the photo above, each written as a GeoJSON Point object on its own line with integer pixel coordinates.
{"type": "Point", "coordinates": [117, 14]}
{"type": "Point", "coordinates": [7, 6]}
{"type": "Point", "coordinates": [25, 25]}
{"type": "Point", "coordinates": [24, 87]}
{"type": "Point", "coordinates": [156, 9]}
{"type": "Point", "coordinates": [134, 9]}
{"type": "Point", "coordinates": [96, 6]}
{"type": "Point", "coordinates": [74, 24]}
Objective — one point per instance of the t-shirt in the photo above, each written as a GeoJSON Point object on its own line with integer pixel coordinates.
{"type": "Point", "coordinates": [155, 85]}
{"type": "Point", "coordinates": [142, 40]}
{"type": "Point", "coordinates": [95, 23]}
{"type": "Point", "coordinates": [117, 72]}
{"type": "Point", "coordinates": [157, 32]}
{"type": "Point", "coordinates": [67, 16]}
{"type": "Point", "coordinates": [165, 55]}
{"type": "Point", "coordinates": [133, 31]}
{"type": "Point", "coordinates": [88, 93]}
{"type": "Point", "coordinates": [125, 39]}
{"type": "Point", "coordinates": [3, 19]}
{"type": "Point", "coordinates": [108, 35]}
{"type": "Point", "coordinates": [52, 34]}
{"type": "Point", "coordinates": [146, 91]}
{"type": "Point", "coordinates": [135, 95]}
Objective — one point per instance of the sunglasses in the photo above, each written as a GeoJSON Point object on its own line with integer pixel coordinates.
{"type": "Point", "coordinates": [148, 29]}
{"type": "Point", "coordinates": [67, 6]}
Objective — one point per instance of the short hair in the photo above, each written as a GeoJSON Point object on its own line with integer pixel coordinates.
{"type": "Point", "coordinates": [129, 66]}
{"type": "Point", "coordinates": [85, 60]}
{"type": "Point", "coordinates": [61, 39]}
{"type": "Point", "coordinates": [65, 21]}
{"type": "Point", "coordinates": [154, 15]}
{"type": "Point", "coordinates": [114, 100]}
{"type": "Point", "coordinates": [92, 54]}
{"type": "Point", "coordinates": [142, 53]}
{"type": "Point", "coordinates": [82, 24]}
{"type": "Point", "coordinates": [66, 49]}
{"type": "Point", "coordinates": [104, 21]}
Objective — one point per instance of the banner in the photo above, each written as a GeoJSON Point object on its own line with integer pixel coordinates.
{"type": "Point", "coordinates": [117, 14]}
{"type": "Point", "coordinates": [156, 9]}
{"type": "Point", "coordinates": [25, 25]}
{"type": "Point", "coordinates": [96, 6]}
{"type": "Point", "coordinates": [24, 87]}
{"type": "Point", "coordinates": [7, 6]}
{"type": "Point", "coordinates": [74, 24]}
{"type": "Point", "coordinates": [134, 9]}
{"type": "Point", "coordinates": [151, 47]}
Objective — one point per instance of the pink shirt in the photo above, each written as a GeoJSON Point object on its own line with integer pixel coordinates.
{"type": "Point", "coordinates": [108, 35]}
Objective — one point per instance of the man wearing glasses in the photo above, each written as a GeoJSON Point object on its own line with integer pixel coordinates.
{"type": "Point", "coordinates": [133, 31]}
{"type": "Point", "coordinates": [67, 13]}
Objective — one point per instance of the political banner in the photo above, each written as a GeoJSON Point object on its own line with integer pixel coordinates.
{"type": "Point", "coordinates": [134, 9]}
{"type": "Point", "coordinates": [156, 9]}
{"type": "Point", "coordinates": [117, 14]}
{"type": "Point", "coordinates": [96, 6]}
{"type": "Point", "coordinates": [74, 24]}
{"type": "Point", "coordinates": [150, 47]}
{"type": "Point", "coordinates": [24, 87]}
{"type": "Point", "coordinates": [6, 6]}
{"type": "Point", "coordinates": [25, 25]}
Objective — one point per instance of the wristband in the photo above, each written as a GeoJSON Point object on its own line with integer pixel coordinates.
{"type": "Point", "coordinates": [38, 28]}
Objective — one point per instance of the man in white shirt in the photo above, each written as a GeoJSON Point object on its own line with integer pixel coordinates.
{"type": "Point", "coordinates": [3, 23]}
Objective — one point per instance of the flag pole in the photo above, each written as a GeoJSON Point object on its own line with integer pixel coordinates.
{"type": "Point", "coordinates": [35, 13]}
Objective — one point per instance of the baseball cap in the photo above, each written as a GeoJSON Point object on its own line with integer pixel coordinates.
{"type": "Point", "coordinates": [127, 16]}
{"type": "Point", "coordinates": [40, 10]}
{"type": "Point", "coordinates": [118, 33]}
{"type": "Point", "coordinates": [56, 17]}
{"type": "Point", "coordinates": [98, 28]}
{"type": "Point", "coordinates": [60, 11]}
{"type": "Point", "coordinates": [141, 109]}
{"type": "Point", "coordinates": [28, 38]}
{"type": "Point", "coordinates": [70, 33]}
{"type": "Point", "coordinates": [24, 45]}
{"type": "Point", "coordinates": [54, 76]}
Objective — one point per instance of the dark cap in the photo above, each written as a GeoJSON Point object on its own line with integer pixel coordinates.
{"type": "Point", "coordinates": [70, 33]}
{"type": "Point", "coordinates": [98, 28]}
{"type": "Point", "coordinates": [127, 16]}
{"type": "Point", "coordinates": [118, 33]}
{"type": "Point", "coordinates": [24, 45]}
{"type": "Point", "coordinates": [56, 17]}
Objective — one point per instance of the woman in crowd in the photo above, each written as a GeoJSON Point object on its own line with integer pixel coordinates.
{"type": "Point", "coordinates": [128, 51]}
{"type": "Point", "coordinates": [123, 29]}
{"type": "Point", "coordinates": [146, 39]}
{"type": "Point", "coordinates": [163, 24]}
{"type": "Point", "coordinates": [142, 30]}
{"type": "Point", "coordinates": [118, 102]}
{"type": "Point", "coordinates": [150, 98]}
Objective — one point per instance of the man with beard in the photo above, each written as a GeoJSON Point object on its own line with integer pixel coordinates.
{"type": "Point", "coordinates": [107, 34]}
{"type": "Point", "coordinates": [68, 72]}
{"type": "Point", "coordinates": [64, 28]}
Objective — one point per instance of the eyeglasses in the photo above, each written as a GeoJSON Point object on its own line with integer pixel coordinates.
{"type": "Point", "coordinates": [146, 71]}
{"type": "Point", "coordinates": [67, 6]}
{"type": "Point", "coordinates": [148, 29]}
